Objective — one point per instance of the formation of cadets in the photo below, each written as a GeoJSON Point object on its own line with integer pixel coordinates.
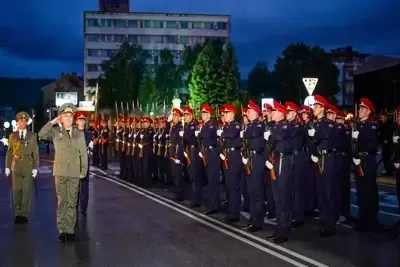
{"type": "Point", "coordinates": [283, 161]}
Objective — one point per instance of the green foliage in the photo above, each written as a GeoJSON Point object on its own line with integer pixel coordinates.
{"type": "Point", "coordinates": [149, 96]}
{"type": "Point", "coordinates": [230, 73]}
{"type": "Point", "coordinates": [122, 75]}
{"type": "Point", "coordinates": [259, 83]}
{"type": "Point", "coordinates": [300, 61]}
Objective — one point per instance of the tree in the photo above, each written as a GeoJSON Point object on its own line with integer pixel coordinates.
{"type": "Point", "coordinates": [259, 81]}
{"type": "Point", "coordinates": [123, 73]}
{"type": "Point", "coordinates": [149, 96]}
{"type": "Point", "coordinates": [299, 61]}
{"type": "Point", "coordinates": [189, 57]}
{"type": "Point", "coordinates": [230, 73]}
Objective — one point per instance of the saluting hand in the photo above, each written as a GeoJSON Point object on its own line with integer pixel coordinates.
{"type": "Point", "coordinates": [56, 120]}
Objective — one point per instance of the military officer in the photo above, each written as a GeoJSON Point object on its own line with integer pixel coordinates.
{"type": "Point", "coordinates": [208, 142]}
{"type": "Point", "coordinates": [366, 136]}
{"type": "Point", "coordinates": [255, 161]}
{"type": "Point", "coordinates": [105, 134]}
{"type": "Point", "coordinates": [231, 154]}
{"type": "Point", "coordinates": [70, 165]}
{"type": "Point", "coordinates": [175, 148]}
{"type": "Point", "coordinates": [324, 157]}
{"type": "Point", "coordinates": [22, 159]}
{"type": "Point", "coordinates": [83, 194]}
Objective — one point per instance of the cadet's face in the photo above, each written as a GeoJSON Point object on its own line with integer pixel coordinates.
{"type": "Point", "coordinates": [305, 116]}
{"type": "Point", "coordinates": [331, 116]}
{"type": "Point", "coordinates": [318, 109]}
{"type": "Point", "coordinates": [146, 124]}
{"type": "Point", "coordinates": [251, 114]}
{"type": "Point", "coordinates": [81, 123]}
{"type": "Point", "coordinates": [229, 116]}
{"type": "Point", "coordinates": [205, 116]}
{"type": "Point", "coordinates": [291, 115]}
{"type": "Point", "coordinates": [175, 118]}
{"type": "Point", "coordinates": [188, 117]}
{"type": "Point", "coordinates": [67, 119]}
{"type": "Point", "coordinates": [22, 124]}
{"type": "Point", "coordinates": [363, 112]}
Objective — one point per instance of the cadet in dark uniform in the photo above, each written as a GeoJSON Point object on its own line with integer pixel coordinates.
{"type": "Point", "coordinates": [175, 148]}
{"type": "Point", "coordinates": [366, 135]}
{"type": "Point", "coordinates": [209, 152]}
{"type": "Point", "coordinates": [96, 144]}
{"type": "Point", "coordinates": [300, 159]}
{"type": "Point", "coordinates": [243, 180]}
{"type": "Point", "coordinates": [254, 133]}
{"type": "Point", "coordinates": [324, 156]}
{"type": "Point", "coordinates": [281, 136]}
{"type": "Point", "coordinates": [83, 194]}
{"type": "Point", "coordinates": [119, 145]}
{"type": "Point", "coordinates": [104, 131]}
{"type": "Point", "coordinates": [231, 152]}
{"type": "Point", "coordinates": [191, 152]}
{"type": "Point", "coordinates": [146, 150]}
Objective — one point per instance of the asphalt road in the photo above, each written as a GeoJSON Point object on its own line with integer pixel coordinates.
{"type": "Point", "coordinates": [129, 226]}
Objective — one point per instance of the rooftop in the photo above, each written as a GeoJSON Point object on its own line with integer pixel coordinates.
{"type": "Point", "coordinates": [377, 62]}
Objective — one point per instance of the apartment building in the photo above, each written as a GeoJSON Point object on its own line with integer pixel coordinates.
{"type": "Point", "coordinates": [105, 32]}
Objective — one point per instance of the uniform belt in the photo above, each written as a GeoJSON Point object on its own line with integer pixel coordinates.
{"type": "Point", "coordinates": [342, 153]}
{"type": "Point", "coordinates": [19, 157]}
{"type": "Point", "coordinates": [231, 149]}
{"type": "Point", "coordinates": [329, 151]}
{"type": "Point", "coordinates": [298, 151]}
{"type": "Point", "coordinates": [256, 152]}
{"type": "Point", "coordinates": [366, 154]}
{"type": "Point", "coordinates": [210, 148]}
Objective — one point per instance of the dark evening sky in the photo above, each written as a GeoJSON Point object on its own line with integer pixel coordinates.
{"type": "Point", "coordinates": [43, 38]}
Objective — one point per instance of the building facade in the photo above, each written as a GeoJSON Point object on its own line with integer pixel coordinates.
{"type": "Point", "coordinates": [105, 32]}
{"type": "Point", "coordinates": [116, 6]}
{"type": "Point", "coordinates": [348, 61]}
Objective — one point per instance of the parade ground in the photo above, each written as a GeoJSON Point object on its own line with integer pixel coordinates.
{"type": "Point", "coordinates": [130, 226]}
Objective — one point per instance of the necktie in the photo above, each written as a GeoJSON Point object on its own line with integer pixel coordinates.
{"type": "Point", "coordinates": [69, 135]}
{"type": "Point", "coordinates": [22, 135]}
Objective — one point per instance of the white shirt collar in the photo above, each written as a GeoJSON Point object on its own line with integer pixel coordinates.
{"type": "Point", "coordinates": [23, 131]}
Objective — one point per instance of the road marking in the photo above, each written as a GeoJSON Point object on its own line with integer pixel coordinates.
{"type": "Point", "coordinates": [381, 212]}
{"type": "Point", "coordinates": [218, 225]}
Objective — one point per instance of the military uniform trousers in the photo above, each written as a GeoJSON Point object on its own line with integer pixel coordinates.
{"type": "Point", "coordinates": [310, 179]}
{"type": "Point", "coordinates": [328, 189]}
{"type": "Point", "coordinates": [344, 170]}
{"type": "Point", "coordinates": [282, 189]}
{"type": "Point", "coordinates": [177, 173]}
{"type": "Point", "coordinates": [244, 190]}
{"type": "Point", "coordinates": [256, 186]}
{"type": "Point", "coordinates": [298, 186]}
{"type": "Point", "coordinates": [22, 183]}
{"type": "Point", "coordinates": [122, 165]}
{"type": "Point", "coordinates": [67, 195]}
{"type": "Point", "coordinates": [96, 155]}
{"type": "Point", "coordinates": [83, 195]}
{"type": "Point", "coordinates": [147, 164]}
{"type": "Point", "coordinates": [104, 156]}
{"type": "Point", "coordinates": [212, 170]}
{"type": "Point", "coordinates": [195, 174]}
{"type": "Point", "coordinates": [367, 191]}
{"type": "Point", "coordinates": [269, 195]}
{"type": "Point", "coordinates": [232, 180]}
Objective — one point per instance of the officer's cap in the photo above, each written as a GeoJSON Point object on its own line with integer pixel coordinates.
{"type": "Point", "coordinates": [22, 115]}
{"type": "Point", "coordinates": [67, 108]}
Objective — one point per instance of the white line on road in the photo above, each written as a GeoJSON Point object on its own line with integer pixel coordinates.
{"type": "Point", "coordinates": [219, 226]}
{"type": "Point", "coordinates": [381, 212]}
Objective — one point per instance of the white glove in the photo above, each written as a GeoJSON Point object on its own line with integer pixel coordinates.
{"type": "Point", "coordinates": [266, 135]}
{"type": "Point", "coordinates": [169, 119]}
{"type": "Point", "coordinates": [311, 132]}
{"type": "Point", "coordinates": [355, 134]}
{"type": "Point", "coordinates": [314, 158]}
{"type": "Point", "coordinates": [177, 161]}
{"type": "Point", "coordinates": [34, 173]}
{"type": "Point", "coordinates": [356, 161]}
{"type": "Point", "coordinates": [396, 165]}
{"type": "Point", "coordinates": [269, 165]}
{"type": "Point", "coordinates": [396, 139]}
{"type": "Point", "coordinates": [181, 133]}
{"type": "Point", "coordinates": [140, 146]}
{"type": "Point", "coordinates": [4, 141]}
{"type": "Point", "coordinates": [159, 136]}
{"type": "Point", "coordinates": [244, 160]}
{"type": "Point", "coordinates": [167, 135]}
{"type": "Point", "coordinates": [129, 135]}
{"type": "Point", "coordinates": [134, 135]}
{"type": "Point", "coordinates": [196, 133]}
{"type": "Point", "coordinates": [7, 172]}
{"type": "Point", "coordinates": [222, 156]}
{"type": "Point", "coordinates": [117, 140]}
{"type": "Point", "coordinates": [219, 132]}
{"type": "Point", "coordinates": [90, 145]}
{"type": "Point", "coordinates": [200, 155]}
{"type": "Point", "coordinates": [241, 134]}
{"type": "Point", "coordinates": [141, 136]}
{"type": "Point", "coordinates": [186, 155]}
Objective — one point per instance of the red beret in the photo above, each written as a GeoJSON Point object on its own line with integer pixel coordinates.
{"type": "Point", "coordinates": [254, 106]}
{"type": "Point", "coordinates": [332, 109]}
{"type": "Point", "coordinates": [279, 107]}
{"type": "Point", "coordinates": [188, 110]}
{"type": "Point", "coordinates": [207, 109]}
{"type": "Point", "coordinates": [81, 115]}
{"type": "Point", "coordinates": [229, 108]}
{"type": "Point", "coordinates": [162, 119]}
{"type": "Point", "coordinates": [307, 109]}
{"type": "Point", "coordinates": [147, 119]}
{"type": "Point", "coordinates": [121, 119]}
{"type": "Point", "coordinates": [340, 115]}
{"type": "Point", "coordinates": [290, 106]}
{"type": "Point", "coordinates": [244, 111]}
{"type": "Point", "coordinates": [177, 111]}
{"type": "Point", "coordinates": [267, 107]}
{"type": "Point", "coordinates": [321, 101]}
{"type": "Point", "coordinates": [365, 102]}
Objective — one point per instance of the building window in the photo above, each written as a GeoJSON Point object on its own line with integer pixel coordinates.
{"type": "Point", "coordinates": [197, 25]}
{"type": "Point", "coordinates": [171, 24]}
{"type": "Point", "coordinates": [132, 38]}
{"type": "Point", "coordinates": [94, 67]}
{"type": "Point", "coordinates": [92, 38]}
{"type": "Point", "coordinates": [92, 23]}
{"type": "Point", "coordinates": [145, 39]}
{"type": "Point", "coordinates": [146, 24]}
{"type": "Point", "coordinates": [132, 23]}
{"type": "Point", "coordinates": [348, 101]}
{"type": "Point", "coordinates": [184, 25]}
{"type": "Point", "coordinates": [222, 25]}
{"type": "Point", "coordinates": [105, 23]}
{"type": "Point", "coordinates": [119, 38]}
{"type": "Point", "coordinates": [349, 88]}
{"type": "Point", "coordinates": [158, 24]}
{"type": "Point", "coordinates": [158, 39]}
{"type": "Point", "coordinates": [119, 23]}
{"type": "Point", "coordinates": [171, 39]}
{"type": "Point", "coordinates": [184, 39]}
{"type": "Point", "coordinates": [208, 25]}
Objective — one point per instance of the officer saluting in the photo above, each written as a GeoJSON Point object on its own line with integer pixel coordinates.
{"type": "Point", "coordinates": [23, 159]}
{"type": "Point", "coordinates": [70, 165]}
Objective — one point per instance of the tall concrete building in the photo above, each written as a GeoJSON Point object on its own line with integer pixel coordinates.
{"type": "Point", "coordinates": [115, 6]}
{"type": "Point", "coordinates": [106, 31]}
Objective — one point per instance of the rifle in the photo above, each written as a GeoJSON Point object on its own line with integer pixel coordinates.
{"type": "Point", "coordinates": [354, 143]}
{"type": "Point", "coordinates": [245, 146]}
{"type": "Point", "coordinates": [318, 165]}
{"type": "Point", "coordinates": [187, 156]}
{"type": "Point", "coordinates": [123, 129]}
{"type": "Point", "coordinates": [134, 130]}
{"type": "Point", "coordinates": [200, 141]}
{"type": "Point", "coordinates": [117, 128]}
{"type": "Point", "coordinates": [269, 148]}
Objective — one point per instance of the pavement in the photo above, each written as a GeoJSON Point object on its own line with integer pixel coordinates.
{"type": "Point", "coordinates": [130, 226]}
